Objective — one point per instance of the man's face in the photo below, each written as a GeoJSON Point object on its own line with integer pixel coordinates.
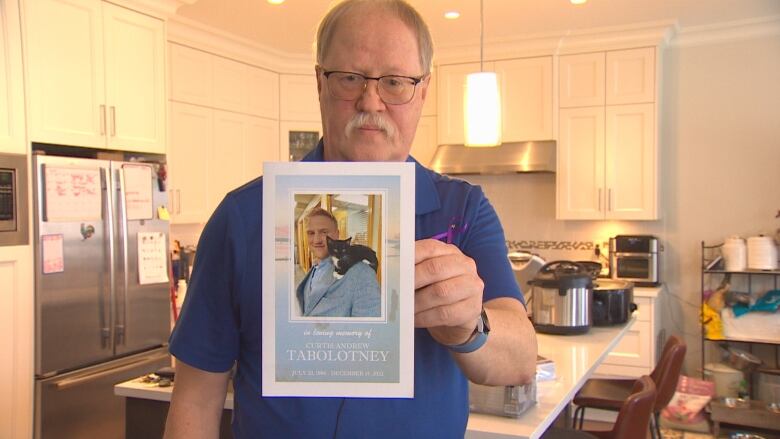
{"type": "Point", "coordinates": [318, 228]}
{"type": "Point", "coordinates": [372, 43]}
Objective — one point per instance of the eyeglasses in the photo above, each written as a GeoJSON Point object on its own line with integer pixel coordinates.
{"type": "Point", "coordinates": [392, 89]}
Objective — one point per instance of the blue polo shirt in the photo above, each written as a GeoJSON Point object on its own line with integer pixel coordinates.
{"type": "Point", "coordinates": [221, 325]}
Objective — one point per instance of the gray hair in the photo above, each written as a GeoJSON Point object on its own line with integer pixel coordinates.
{"type": "Point", "coordinates": [400, 8]}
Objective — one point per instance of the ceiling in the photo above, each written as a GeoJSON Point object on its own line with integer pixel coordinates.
{"type": "Point", "coordinates": [290, 27]}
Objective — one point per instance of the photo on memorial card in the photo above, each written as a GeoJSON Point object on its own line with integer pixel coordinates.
{"type": "Point", "coordinates": [338, 287]}
{"type": "Point", "coordinates": [338, 256]}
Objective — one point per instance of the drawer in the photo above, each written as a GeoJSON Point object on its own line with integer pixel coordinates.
{"type": "Point", "coordinates": [645, 307]}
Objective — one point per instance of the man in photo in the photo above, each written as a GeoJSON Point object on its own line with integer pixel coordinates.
{"type": "Point", "coordinates": [373, 69]}
{"type": "Point", "coordinates": [324, 292]}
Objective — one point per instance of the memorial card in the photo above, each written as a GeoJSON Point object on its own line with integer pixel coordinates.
{"type": "Point", "coordinates": [338, 279]}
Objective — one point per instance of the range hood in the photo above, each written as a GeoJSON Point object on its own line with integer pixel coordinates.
{"type": "Point", "coordinates": [534, 156]}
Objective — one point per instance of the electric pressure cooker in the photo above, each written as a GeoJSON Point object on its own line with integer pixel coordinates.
{"type": "Point", "coordinates": [563, 294]}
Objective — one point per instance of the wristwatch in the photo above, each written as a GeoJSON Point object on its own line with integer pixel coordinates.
{"type": "Point", "coordinates": [478, 337]}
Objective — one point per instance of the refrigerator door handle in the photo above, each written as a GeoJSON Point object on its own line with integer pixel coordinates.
{"type": "Point", "coordinates": [122, 203]}
{"type": "Point", "coordinates": [107, 333]}
{"type": "Point", "coordinates": [75, 381]}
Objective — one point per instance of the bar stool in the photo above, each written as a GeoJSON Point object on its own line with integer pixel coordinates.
{"type": "Point", "coordinates": [632, 420]}
{"type": "Point", "coordinates": [609, 394]}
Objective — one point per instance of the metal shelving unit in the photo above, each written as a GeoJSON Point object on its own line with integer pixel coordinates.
{"type": "Point", "coordinates": [752, 282]}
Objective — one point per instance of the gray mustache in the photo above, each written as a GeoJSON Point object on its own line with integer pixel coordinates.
{"type": "Point", "coordinates": [371, 119]}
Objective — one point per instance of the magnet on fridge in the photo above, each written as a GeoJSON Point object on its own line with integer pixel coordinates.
{"type": "Point", "coordinates": [162, 213]}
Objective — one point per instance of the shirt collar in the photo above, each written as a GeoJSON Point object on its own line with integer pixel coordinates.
{"type": "Point", "coordinates": [426, 198]}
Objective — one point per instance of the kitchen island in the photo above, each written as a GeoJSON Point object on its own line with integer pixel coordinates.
{"type": "Point", "coordinates": [575, 357]}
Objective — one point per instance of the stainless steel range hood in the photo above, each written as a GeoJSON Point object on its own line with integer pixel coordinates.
{"type": "Point", "coordinates": [535, 156]}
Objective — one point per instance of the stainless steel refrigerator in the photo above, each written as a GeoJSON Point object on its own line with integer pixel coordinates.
{"type": "Point", "coordinates": [102, 301]}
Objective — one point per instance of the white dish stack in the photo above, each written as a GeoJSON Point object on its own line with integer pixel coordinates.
{"type": "Point", "coordinates": [761, 253]}
{"type": "Point", "coordinates": [735, 254]}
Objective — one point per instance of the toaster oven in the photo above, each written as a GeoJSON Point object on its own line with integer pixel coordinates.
{"type": "Point", "coordinates": [634, 258]}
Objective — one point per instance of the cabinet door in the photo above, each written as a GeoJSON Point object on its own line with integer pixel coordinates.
{"type": "Point", "coordinates": [135, 80]}
{"type": "Point", "coordinates": [424, 144]}
{"type": "Point", "coordinates": [299, 99]}
{"type": "Point", "coordinates": [225, 156]}
{"type": "Point", "coordinates": [188, 155]}
{"type": "Point", "coordinates": [12, 134]}
{"type": "Point", "coordinates": [192, 75]}
{"type": "Point", "coordinates": [429, 106]}
{"type": "Point", "coordinates": [581, 80]}
{"type": "Point", "coordinates": [631, 165]}
{"type": "Point", "coordinates": [526, 98]}
{"type": "Point", "coordinates": [451, 89]}
{"type": "Point", "coordinates": [263, 93]}
{"type": "Point", "coordinates": [261, 144]}
{"type": "Point", "coordinates": [631, 76]}
{"type": "Point", "coordinates": [231, 80]}
{"type": "Point", "coordinates": [580, 172]}
{"type": "Point", "coordinates": [296, 139]}
{"type": "Point", "coordinates": [66, 72]}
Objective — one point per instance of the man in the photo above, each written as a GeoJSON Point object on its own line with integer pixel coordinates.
{"type": "Point", "coordinates": [366, 115]}
{"type": "Point", "coordinates": [320, 293]}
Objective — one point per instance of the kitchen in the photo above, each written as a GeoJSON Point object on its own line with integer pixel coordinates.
{"type": "Point", "coordinates": [717, 94]}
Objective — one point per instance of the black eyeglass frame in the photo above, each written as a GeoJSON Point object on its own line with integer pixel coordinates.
{"type": "Point", "coordinates": [415, 81]}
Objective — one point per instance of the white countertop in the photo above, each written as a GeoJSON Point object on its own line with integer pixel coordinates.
{"type": "Point", "coordinates": [575, 357]}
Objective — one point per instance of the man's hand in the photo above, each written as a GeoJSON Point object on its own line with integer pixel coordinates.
{"type": "Point", "coordinates": [448, 297]}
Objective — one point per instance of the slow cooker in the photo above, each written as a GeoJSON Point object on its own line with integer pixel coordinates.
{"type": "Point", "coordinates": [563, 292]}
{"type": "Point", "coordinates": [613, 302]}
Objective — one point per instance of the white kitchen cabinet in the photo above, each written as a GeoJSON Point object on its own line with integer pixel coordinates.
{"type": "Point", "coordinates": [12, 135]}
{"type": "Point", "coordinates": [451, 88]}
{"type": "Point", "coordinates": [429, 106]}
{"type": "Point", "coordinates": [231, 80]}
{"type": "Point", "coordinates": [299, 98]}
{"type": "Point", "coordinates": [424, 144]}
{"type": "Point", "coordinates": [631, 162]}
{"type": "Point", "coordinates": [630, 76]}
{"type": "Point", "coordinates": [213, 152]}
{"type": "Point", "coordinates": [135, 80]}
{"type": "Point", "coordinates": [96, 75]}
{"type": "Point", "coordinates": [581, 80]}
{"type": "Point", "coordinates": [192, 132]}
{"type": "Point", "coordinates": [608, 152]}
{"type": "Point", "coordinates": [292, 136]}
{"type": "Point", "coordinates": [16, 341]}
{"type": "Point", "coordinates": [526, 99]}
{"type": "Point", "coordinates": [580, 178]}
{"type": "Point", "coordinates": [192, 75]}
{"type": "Point", "coordinates": [263, 93]}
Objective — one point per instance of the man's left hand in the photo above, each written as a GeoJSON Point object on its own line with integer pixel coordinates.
{"type": "Point", "coordinates": [448, 297]}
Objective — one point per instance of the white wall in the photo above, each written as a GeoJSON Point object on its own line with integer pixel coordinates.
{"type": "Point", "coordinates": [720, 172]}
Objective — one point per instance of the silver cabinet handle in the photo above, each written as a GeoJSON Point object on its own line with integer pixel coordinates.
{"type": "Point", "coordinates": [102, 120]}
{"type": "Point", "coordinates": [75, 381]}
{"type": "Point", "coordinates": [113, 121]}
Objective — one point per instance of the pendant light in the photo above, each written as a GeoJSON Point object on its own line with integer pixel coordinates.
{"type": "Point", "coordinates": [481, 102]}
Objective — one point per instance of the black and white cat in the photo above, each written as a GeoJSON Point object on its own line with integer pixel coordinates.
{"type": "Point", "coordinates": [345, 255]}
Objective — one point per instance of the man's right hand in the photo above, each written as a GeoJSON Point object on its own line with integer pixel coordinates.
{"type": "Point", "coordinates": [197, 403]}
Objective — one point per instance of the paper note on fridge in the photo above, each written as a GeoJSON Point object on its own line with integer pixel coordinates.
{"type": "Point", "coordinates": [71, 194]}
{"type": "Point", "coordinates": [138, 191]}
{"type": "Point", "coordinates": [53, 255]}
{"type": "Point", "coordinates": [152, 258]}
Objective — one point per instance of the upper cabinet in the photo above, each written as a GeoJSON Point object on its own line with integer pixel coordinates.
{"type": "Point", "coordinates": [301, 101]}
{"type": "Point", "coordinates": [607, 143]}
{"type": "Point", "coordinates": [104, 85]}
{"type": "Point", "coordinates": [11, 86]}
{"type": "Point", "coordinates": [526, 99]}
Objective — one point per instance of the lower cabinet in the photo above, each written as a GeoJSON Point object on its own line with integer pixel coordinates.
{"type": "Point", "coordinates": [639, 350]}
{"type": "Point", "coordinates": [211, 153]}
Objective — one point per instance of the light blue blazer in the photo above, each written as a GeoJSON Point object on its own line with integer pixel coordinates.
{"type": "Point", "coordinates": [356, 294]}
